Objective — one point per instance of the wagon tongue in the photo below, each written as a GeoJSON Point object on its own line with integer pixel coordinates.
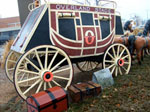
{"type": "Point", "coordinates": [48, 76]}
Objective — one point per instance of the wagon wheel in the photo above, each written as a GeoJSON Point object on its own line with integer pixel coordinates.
{"type": "Point", "coordinates": [10, 64]}
{"type": "Point", "coordinates": [147, 51]}
{"type": "Point", "coordinates": [50, 67]}
{"type": "Point", "coordinates": [87, 65]}
{"type": "Point", "coordinates": [118, 59]}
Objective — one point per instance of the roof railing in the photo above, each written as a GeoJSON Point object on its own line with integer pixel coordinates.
{"type": "Point", "coordinates": [107, 4]}
{"type": "Point", "coordinates": [101, 3]}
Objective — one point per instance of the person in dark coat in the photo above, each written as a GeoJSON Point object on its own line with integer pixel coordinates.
{"type": "Point", "coordinates": [128, 26]}
{"type": "Point", "coordinates": [146, 29]}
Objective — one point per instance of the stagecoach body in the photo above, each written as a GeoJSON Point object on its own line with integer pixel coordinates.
{"type": "Point", "coordinates": [81, 31]}
{"type": "Point", "coordinates": [56, 35]}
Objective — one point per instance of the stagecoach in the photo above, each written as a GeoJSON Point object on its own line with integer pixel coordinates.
{"type": "Point", "coordinates": [55, 37]}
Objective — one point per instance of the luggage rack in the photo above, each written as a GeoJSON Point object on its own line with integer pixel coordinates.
{"type": "Point", "coordinates": [101, 3]}
{"type": "Point", "coordinates": [107, 4]}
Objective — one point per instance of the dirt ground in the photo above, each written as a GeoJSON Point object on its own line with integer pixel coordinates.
{"type": "Point", "coordinates": [7, 90]}
{"type": "Point", "coordinates": [130, 93]}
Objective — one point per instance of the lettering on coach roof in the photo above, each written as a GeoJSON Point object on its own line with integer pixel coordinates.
{"type": "Point", "coordinates": [82, 8]}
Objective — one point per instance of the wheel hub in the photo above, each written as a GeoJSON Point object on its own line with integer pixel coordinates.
{"type": "Point", "coordinates": [121, 62]}
{"type": "Point", "coordinates": [47, 76]}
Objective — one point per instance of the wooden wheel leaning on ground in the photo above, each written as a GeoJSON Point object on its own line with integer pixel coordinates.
{"type": "Point", "coordinates": [147, 51]}
{"type": "Point", "coordinates": [87, 65]}
{"type": "Point", "coordinates": [10, 64]}
{"type": "Point", "coordinates": [50, 67]}
{"type": "Point", "coordinates": [118, 59]}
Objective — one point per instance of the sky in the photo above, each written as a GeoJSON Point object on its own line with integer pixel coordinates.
{"type": "Point", "coordinates": [127, 8]}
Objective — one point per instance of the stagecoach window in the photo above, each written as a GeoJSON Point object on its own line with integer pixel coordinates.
{"type": "Point", "coordinates": [87, 19]}
{"type": "Point", "coordinates": [96, 22]}
{"type": "Point", "coordinates": [105, 28]}
{"type": "Point", "coordinates": [119, 28]}
{"type": "Point", "coordinates": [67, 28]}
{"type": "Point", "coordinates": [77, 21]}
{"type": "Point", "coordinates": [30, 22]}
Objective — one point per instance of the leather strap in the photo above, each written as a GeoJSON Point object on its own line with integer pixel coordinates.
{"type": "Point", "coordinates": [81, 95]}
{"type": "Point", "coordinates": [95, 91]}
{"type": "Point", "coordinates": [36, 102]}
{"type": "Point", "coordinates": [54, 100]}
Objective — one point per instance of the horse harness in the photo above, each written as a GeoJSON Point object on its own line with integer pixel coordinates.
{"type": "Point", "coordinates": [124, 40]}
{"type": "Point", "coordinates": [131, 41]}
{"type": "Point", "coordinates": [146, 39]}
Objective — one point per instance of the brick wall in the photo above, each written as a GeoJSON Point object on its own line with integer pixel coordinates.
{"type": "Point", "coordinates": [9, 22]}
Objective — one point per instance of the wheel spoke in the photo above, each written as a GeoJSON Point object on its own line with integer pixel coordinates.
{"type": "Point", "coordinates": [33, 85]}
{"type": "Point", "coordinates": [113, 69]}
{"type": "Point", "coordinates": [56, 83]}
{"type": "Point", "coordinates": [118, 50]}
{"type": "Point", "coordinates": [12, 61]}
{"type": "Point", "coordinates": [49, 84]}
{"type": "Point", "coordinates": [27, 71]}
{"type": "Point", "coordinates": [111, 66]}
{"type": "Point", "coordinates": [114, 51]}
{"type": "Point", "coordinates": [57, 65]}
{"type": "Point", "coordinates": [87, 66]}
{"type": "Point", "coordinates": [58, 77]}
{"type": "Point", "coordinates": [11, 69]}
{"type": "Point", "coordinates": [38, 58]}
{"type": "Point", "coordinates": [110, 55]}
{"type": "Point", "coordinates": [16, 55]}
{"type": "Point", "coordinates": [109, 61]}
{"type": "Point", "coordinates": [116, 71]}
{"type": "Point", "coordinates": [120, 71]}
{"type": "Point", "coordinates": [122, 52]}
{"type": "Point", "coordinates": [125, 57]}
{"type": "Point", "coordinates": [126, 63]}
{"type": "Point", "coordinates": [22, 76]}
{"type": "Point", "coordinates": [54, 57]}
{"type": "Point", "coordinates": [91, 65]}
{"type": "Point", "coordinates": [43, 52]}
{"type": "Point", "coordinates": [39, 87]}
{"type": "Point", "coordinates": [32, 64]}
{"type": "Point", "coordinates": [44, 85]}
{"type": "Point", "coordinates": [62, 70]}
{"type": "Point", "coordinates": [124, 68]}
{"type": "Point", "coordinates": [23, 81]}
{"type": "Point", "coordinates": [46, 58]}
{"type": "Point", "coordinates": [84, 63]}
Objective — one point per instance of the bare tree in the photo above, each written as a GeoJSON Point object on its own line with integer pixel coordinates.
{"type": "Point", "coordinates": [137, 19]}
{"type": "Point", "coordinates": [97, 2]}
{"type": "Point", "coordinates": [87, 2]}
{"type": "Point", "coordinates": [81, 3]}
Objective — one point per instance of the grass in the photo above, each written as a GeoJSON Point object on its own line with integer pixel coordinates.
{"type": "Point", "coordinates": [129, 93]}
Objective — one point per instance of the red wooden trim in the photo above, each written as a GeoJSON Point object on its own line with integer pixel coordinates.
{"type": "Point", "coordinates": [53, 20]}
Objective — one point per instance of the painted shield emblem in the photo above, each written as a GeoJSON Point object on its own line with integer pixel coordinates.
{"type": "Point", "coordinates": [89, 37]}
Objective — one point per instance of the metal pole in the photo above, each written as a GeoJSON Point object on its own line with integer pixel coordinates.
{"type": "Point", "coordinates": [23, 9]}
{"type": "Point", "coordinates": [147, 14]}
